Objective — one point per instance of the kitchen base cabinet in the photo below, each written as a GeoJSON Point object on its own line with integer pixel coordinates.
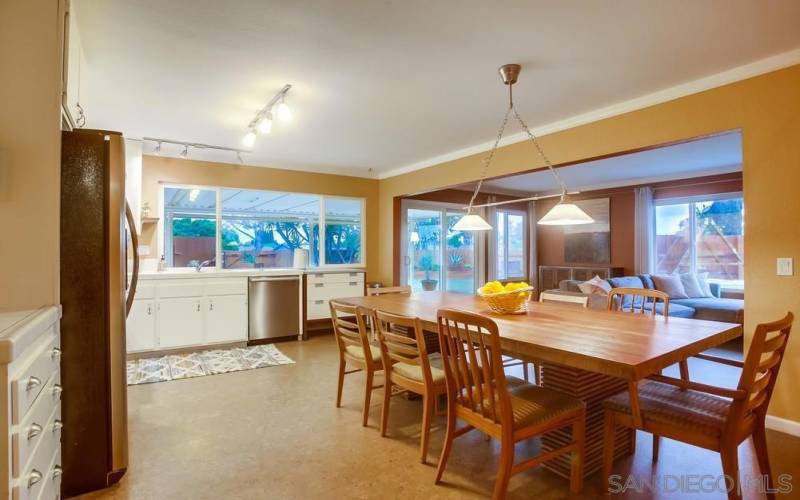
{"type": "Point", "coordinates": [140, 328]}
{"type": "Point", "coordinates": [226, 319]}
{"type": "Point", "coordinates": [179, 322]}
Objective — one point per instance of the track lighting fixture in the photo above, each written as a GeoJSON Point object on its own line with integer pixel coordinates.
{"type": "Point", "coordinates": [195, 145]}
{"type": "Point", "coordinates": [262, 122]}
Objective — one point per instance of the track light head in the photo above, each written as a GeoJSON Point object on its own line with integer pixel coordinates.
{"type": "Point", "coordinates": [249, 138]}
{"type": "Point", "coordinates": [185, 153]}
{"type": "Point", "coordinates": [157, 149]}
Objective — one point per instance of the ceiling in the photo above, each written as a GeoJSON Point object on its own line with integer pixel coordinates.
{"type": "Point", "coordinates": [710, 156]}
{"type": "Point", "coordinates": [379, 86]}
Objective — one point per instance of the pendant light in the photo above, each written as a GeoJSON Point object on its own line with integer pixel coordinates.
{"type": "Point", "coordinates": [563, 214]}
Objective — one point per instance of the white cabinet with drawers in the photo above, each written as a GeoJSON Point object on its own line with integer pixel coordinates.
{"type": "Point", "coordinates": [30, 393]}
{"type": "Point", "coordinates": [321, 287]}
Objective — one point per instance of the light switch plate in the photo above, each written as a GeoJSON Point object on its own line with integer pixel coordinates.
{"type": "Point", "coordinates": [785, 266]}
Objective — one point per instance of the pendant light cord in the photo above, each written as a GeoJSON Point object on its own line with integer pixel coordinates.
{"type": "Point", "coordinates": [531, 136]}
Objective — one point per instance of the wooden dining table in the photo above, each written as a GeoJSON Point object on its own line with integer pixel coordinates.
{"type": "Point", "coordinates": [588, 353]}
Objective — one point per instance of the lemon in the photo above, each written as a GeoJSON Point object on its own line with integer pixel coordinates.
{"type": "Point", "coordinates": [492, 287]}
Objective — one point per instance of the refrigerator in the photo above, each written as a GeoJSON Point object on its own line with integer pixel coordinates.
{"type": "Point", "coordinates": [97, 291]}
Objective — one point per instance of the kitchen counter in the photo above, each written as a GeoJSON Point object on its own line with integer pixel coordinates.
{"type": "Point", "coordinates": [189, 273]}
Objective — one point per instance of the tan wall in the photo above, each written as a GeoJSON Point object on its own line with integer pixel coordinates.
{"type": "Point", "coordinates": [30, 143]}
{"type": "Point", "coordinates": [157, 170]}
{"type": "Point", "coordinates": [765, 108]}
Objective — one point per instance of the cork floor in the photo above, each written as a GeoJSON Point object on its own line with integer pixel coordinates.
{"type": "Point", "coordinates": [275, 433]}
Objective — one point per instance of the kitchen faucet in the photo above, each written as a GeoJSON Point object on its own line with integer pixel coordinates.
{"type": "Point", "coordinates": [199, 265]}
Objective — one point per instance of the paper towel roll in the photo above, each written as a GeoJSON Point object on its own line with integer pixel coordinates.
{"type": "Point", "coordinates": [300, 258]}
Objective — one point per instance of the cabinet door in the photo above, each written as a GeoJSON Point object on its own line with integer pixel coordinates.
{"type": "Point", "coordinates": [140, 328]}
{"type": "Point", "coordinates": [180, 322]}
{"type": "Point", "coordinates": [226, 318]}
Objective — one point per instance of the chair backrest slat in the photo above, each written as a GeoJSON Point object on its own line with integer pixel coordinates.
{"type": "Point", "coordinates": [349, 326]}
{"type": "Point", "coordinates": [473, 365]}
{"type": "Point", "coordinates": [402, 341]}
{"type": "Point", "coordinates": [639, 300]}
{"type": "Point", "coordinates": [581, 300]}
{"type": "Point", "coordinates": [760, 372]}
{"type": "Point", "coordinates": [389, 290]}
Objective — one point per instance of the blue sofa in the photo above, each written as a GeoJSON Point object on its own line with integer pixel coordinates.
{"type": "Point", "coordinates": [710, 308]}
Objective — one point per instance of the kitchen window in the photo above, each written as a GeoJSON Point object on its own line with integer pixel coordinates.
{"type": "Point", "coordinates": [244, 228]}
{"type": "Point", "coordinates": [703, 235]}
{"type": "Point", "coordinates": [190, 226]}
{"type": "Point", "coordinates": [510, 245]}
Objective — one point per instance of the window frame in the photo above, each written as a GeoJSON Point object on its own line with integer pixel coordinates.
{"type": "Point", "coordinates": [691, 200]}
{"type": "Point", "coordinates": [218, 214]}
{"type": "Point", "coordinates": [496, 243]}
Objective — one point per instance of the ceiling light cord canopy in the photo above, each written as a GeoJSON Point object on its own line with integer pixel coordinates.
{"type": "Point", "coordinates": [563, 213]}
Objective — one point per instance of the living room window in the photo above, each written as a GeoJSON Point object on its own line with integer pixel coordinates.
{"type": "Point", "coordinates": [703, 234]}
{"type": "Point", "coordinates": [510, 245]}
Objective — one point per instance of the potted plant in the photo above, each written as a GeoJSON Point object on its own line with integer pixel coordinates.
{"type": "Point", "coordinates": [426, 264]}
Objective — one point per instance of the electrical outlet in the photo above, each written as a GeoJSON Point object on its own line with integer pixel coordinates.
{"type": "Point", "coordinates": [785, 266]}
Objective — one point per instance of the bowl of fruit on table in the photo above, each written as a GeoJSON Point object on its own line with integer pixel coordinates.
{"type": "Point", "coordinates": [511, 298]}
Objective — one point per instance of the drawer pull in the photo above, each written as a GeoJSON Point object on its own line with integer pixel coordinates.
{"type": "Point", "coordinates": [34, 430]}
{"type": "Point", "coordinates": [55, 353]}
{"type": "Point", "coordinates": [319, 285]}
{"type": "Point", "coordinates": [57, 389]}
{"type": "Point", "coordinates": [57, 471]}
{"type": "Point", "coordinates": [33, 382]}
{"type": "Point", "coordinates": [34, 477]}
{"type": "Point", "coordinates": [57, 425]}
{"type": "Point", "coordinates": [319, 301]}
{"type": "Point", "coordinates": [354, 283]}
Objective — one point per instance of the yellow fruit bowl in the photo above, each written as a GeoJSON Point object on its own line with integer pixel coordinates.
{"type": "Point", "coordinates": [508, 302]}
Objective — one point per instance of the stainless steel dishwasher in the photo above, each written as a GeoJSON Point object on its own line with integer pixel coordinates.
{"type": "Point", "coordinates": [273, 307]}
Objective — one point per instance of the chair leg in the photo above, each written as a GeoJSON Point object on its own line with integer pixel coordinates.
{"type": "Point", "coordinates": [367, 395]}
{"type": "Point", "coordinates": [760, 444]}
{"type": "Point", "coordinates": [449, 436]}
{"type": "Point", "coordinates": [730, 467]}
{"type": "Point", "coordinates": [656, 446]}
{"type": "Point", "coordinates": [428, 402]}
{"type": "Point", "coordinates": [525, 372]}
{"type": "Point", "coordinates": [387, 395]}
{"type": "Point", "coordinates": [536, 374]}
{"type": "Point", "coordinates": [341, 382]}
{"type": "Point", "coordinates": [609, 435]}
{"type": "Point", "coordinates": [576, 472]}
{"type": "Point", "coordinates": [504, 470]}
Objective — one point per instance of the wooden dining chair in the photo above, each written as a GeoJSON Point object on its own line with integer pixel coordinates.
{"type": "Point", "coordinates": [710, 417]}
{"type": "Point", "coordinates": [350, 329]}
{"type": "Point", "coordinates": [389, 290]}
{"type": "Point", "coordinates": [406, 363]}
{"type": "Point", "coordinates": [639, 300]}
{"type": "Point", "coordinates": [478, 394]}
{"type": "Point", "coordinates": [581, 300]}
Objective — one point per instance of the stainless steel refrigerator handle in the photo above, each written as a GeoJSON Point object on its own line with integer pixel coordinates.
{"type": "Point", "coordinates": [135, 276]}
{"type": "Point", "coordinates": [288, 278]}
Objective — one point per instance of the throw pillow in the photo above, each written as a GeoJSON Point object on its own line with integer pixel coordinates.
{"type": "Point", "coordinates": [626, 282]}
{"type": "Point", "coordinates": [648, 281]}
{"type": "Point", "coordinates": [671, 285]}
{"type": "Point", "coordinates": [595, 285]}
{"type": "Point", "coordinates": [691, 286]}
{"type": "Point", "coordinates": [702, 280]}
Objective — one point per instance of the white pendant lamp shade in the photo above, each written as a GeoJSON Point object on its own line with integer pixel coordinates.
{"type": "Point", "coordinates": [565, 214]}
{"type": "Point", "coordinates": [471, 222]}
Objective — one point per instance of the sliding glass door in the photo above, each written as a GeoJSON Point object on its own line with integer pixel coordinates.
{"type": "Point", "coordinates": [435, 256]}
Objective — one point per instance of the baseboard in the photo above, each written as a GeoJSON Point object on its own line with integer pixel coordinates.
{"type": "Point", "coordinates": [791, 427]}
